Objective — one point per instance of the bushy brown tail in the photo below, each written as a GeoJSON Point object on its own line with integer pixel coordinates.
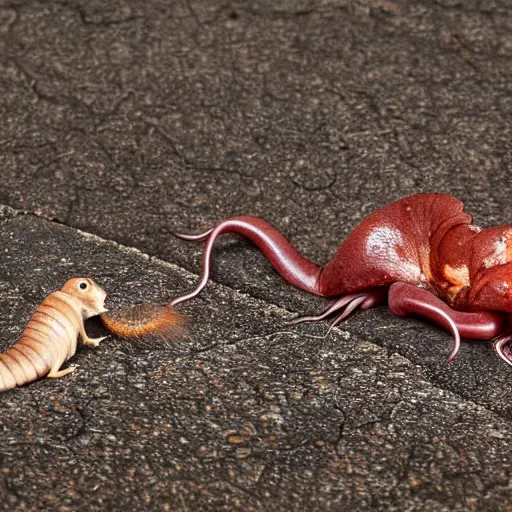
{"type": "Point", "coordinates": [146, 320]}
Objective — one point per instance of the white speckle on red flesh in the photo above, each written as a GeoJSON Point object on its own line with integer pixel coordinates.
{"type": "Point", "coordinates": [383, 243]}
{"type": "Point", "coordinates": [500, 254]}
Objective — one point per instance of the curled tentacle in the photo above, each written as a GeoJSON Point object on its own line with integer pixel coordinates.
{"type": "Point", "coordinates": [194, 238]}
{"type": "Point", "coordinates": [293, 267]}
{"type": "Point", "coordinates": [502, 348]}
{"type": "Point", "coordinates": [440, 317]}
{"type": "Point", "coordinates": [206, 264]}
{"type": "Point", "coordinates": [404, 298]}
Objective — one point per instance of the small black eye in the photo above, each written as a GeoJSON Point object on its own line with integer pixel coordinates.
{"type": "Point", "coordinates": [83, 285]}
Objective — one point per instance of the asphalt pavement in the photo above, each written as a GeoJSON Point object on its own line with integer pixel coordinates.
{"type": "Point", "coordinates": [125, 122]}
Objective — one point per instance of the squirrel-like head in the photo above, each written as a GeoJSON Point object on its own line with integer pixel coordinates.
{"type": "Point", "coordinates": [90, 295]}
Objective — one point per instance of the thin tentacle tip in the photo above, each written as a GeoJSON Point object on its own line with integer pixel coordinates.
{"type": "Point", "coordinates": [298, 320]}
{"type": "Point", "coordinates": [193, 238]}
{"type": "Point", "coordinates": [326, 335]}
{"type": "Point", "coordinates": [179, 300]}
{"type": "Point", "coordinates": [455, 351]}
{"type": "Point", "coordinates": [456, 344]}
{"type": "Point", "coordinates": [181, 236]}
{"type": "Point", "coordinates": [332, 325]}
{"type": "Point", "coordinates": [451, 357]}
{"type": "Point", "coordinates": [456, 340]}
{"type": "Point", "coordinates": [500, 347]}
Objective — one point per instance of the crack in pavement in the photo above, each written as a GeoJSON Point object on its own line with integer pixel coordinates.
{"type": "Point", "coordinates": [283, 312]}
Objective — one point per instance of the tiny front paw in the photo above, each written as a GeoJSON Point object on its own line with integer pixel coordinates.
{"type": "Point", "coordinates": [94, 342]}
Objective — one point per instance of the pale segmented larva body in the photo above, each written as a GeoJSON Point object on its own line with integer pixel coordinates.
{"type": "Point", "coordinates": [51, 335]}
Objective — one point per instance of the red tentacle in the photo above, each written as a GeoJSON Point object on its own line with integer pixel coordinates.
{"type": "Point", "coordinates": [293, 267]}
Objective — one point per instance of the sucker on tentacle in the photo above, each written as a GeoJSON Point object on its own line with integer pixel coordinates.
{"type": "Point", "coordinates": [422, 251]}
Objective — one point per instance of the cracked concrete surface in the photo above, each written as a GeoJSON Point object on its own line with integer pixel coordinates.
{"type": "Point", "coordinates": [134, 120]}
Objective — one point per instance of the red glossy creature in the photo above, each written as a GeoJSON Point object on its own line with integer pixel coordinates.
{"type": "Point", "coordinates": [421, 253]}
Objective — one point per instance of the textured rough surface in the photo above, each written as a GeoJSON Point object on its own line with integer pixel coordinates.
{"type": "Point", "coordinates": [134, 119]}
